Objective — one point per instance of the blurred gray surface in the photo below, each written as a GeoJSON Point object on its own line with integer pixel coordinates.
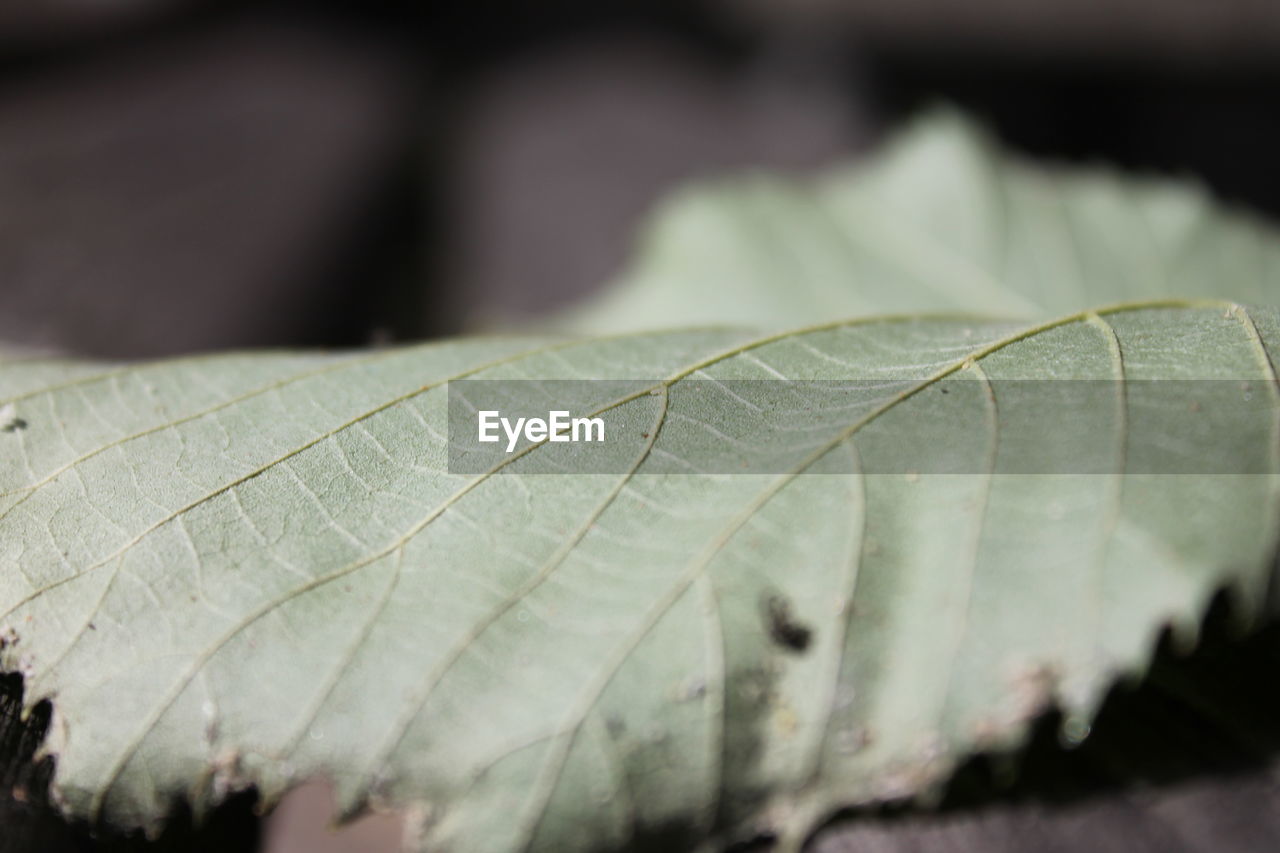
{"type": "Point", "coordinates": [193, 194]}
{"type": "Point", "coordinates": [1186, 30]}
{"type": "Point", "coordinates": [560, 157]}
{"type": "Point", "coordinates": [27, 23]}
{"type": "Point", "coordinates": [301, 824]}
{"type": "Point", "coordinates": [1234, 813]}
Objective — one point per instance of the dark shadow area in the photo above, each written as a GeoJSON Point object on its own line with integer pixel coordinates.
{"type": "Point", "coordinates": [1214, 710]}
{"type": "Point", "coordinates": [1218, 123]}
{"type": "Point", "coordinates": [30, 823]}
{"type": "Point", "coordinates": [1207, 723]}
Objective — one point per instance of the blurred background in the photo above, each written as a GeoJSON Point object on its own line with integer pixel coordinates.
{"type": "Point", "coordinates": [181, 175]}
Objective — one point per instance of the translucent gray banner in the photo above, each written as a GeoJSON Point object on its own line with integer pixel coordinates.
{"type": "Point", "coordinates": [950, 426]}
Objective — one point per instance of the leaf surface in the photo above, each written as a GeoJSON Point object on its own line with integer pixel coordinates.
{"type": "Point", "coordinates": [258, 568]}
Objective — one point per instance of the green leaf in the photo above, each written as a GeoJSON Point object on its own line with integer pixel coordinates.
{"type": "Point", "coordinates": [258, 568]}
{"type": "Point", "coordinates": [941, 220]}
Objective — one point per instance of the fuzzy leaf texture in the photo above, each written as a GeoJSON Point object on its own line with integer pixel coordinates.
{"type": "Point", "coordinates": [256, 569]}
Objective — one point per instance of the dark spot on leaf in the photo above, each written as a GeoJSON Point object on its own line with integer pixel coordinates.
{"type": "Point", "coordinates": [783, 627]}
{"type": "Point", "coordinates": [748, 707]}
{"type": "Point", "coordinates": [14, 425]}
{"type": "Point", "coordinates": [665, 837]}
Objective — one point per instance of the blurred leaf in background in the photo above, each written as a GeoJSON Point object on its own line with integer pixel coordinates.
{"type": "Point", "coordinates": [940, 221]}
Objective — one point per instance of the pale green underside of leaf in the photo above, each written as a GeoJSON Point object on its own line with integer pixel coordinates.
{"type": "Point", "coordinates": [258, 569]}
{"type": "Point", "coordinates": [938, 220]}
